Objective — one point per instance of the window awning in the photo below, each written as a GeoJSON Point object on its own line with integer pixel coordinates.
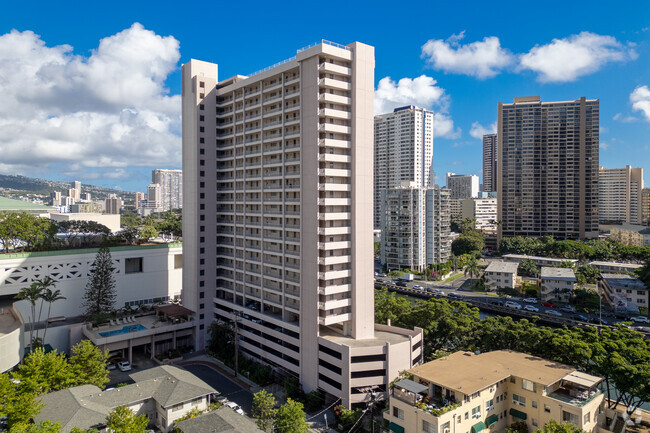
{"type": "Point", "coordinates": [478, 427]}
{"type": "Point", "coordinates": [396, 427]}
{"type": "Point", "coordinates": [492, 419]}
{"type": "Point", "coordinates": [518, 414]}
{"type": "Point", "coordinates": [412, 386]}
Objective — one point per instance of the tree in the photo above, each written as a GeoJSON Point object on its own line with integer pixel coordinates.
{"type": "Point", "coordinates": [123, 420]}
{"type": "Point", "coordinates": [588, 273]}
{"type": "Point", "coordinates": [222, 341]}
{"type": "Point", "coordinates": [290, 418]}
{"type": "Point", "coordinates": [472, 268]}
{"type": "Point", "coordinates": [42, 372]}
{"type": "Point", "coordinates": [130, 219]}
{"type": "Point", "coordinates": [100, 290]}
{"type": "Point", "coordinates": [89, 364]}
{"type": "Point", "coordinates": [48, 295]}
{"type": "Point", "coordinates": [147, 232]}
{"type": "Point", "coordinates": [556, 427]}
{"type": "Point", "coordinates": [377, 249]}
{"type": "Point", "coordinates": [79, 229]}
{"type": "Point", "coordinates": [390, 306]}
{"type": "Point", "coordinates": [527, 268]}
{"type": "Point", "coordinates": [467, 243]}
{"type": "Point", "coordinates": [264, 409]}
{"type": "Point", "coordinates": [517, 427]}
{"type": "Point", "coordinates": [42, 427]}
{"type": "Point", "coordinates": [18, 407]}
{"type": "Point", "coordinates": [31, 294]}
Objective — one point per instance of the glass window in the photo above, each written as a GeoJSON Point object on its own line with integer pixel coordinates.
{"type": "Point", "coordinates": [528, 385]}
{"type": "Point", "coordinates": [569, 417]}
{"type": "Point", "coordinates": [428, 428]}
{"type": "Point", "coordinates": [476, 412]}
{"type": "Point", "coordinates": [534, 404]}
{"type": "Point", "coordinates": [489, 405]}
{"type": "Point", "coordinates": [517, 399]}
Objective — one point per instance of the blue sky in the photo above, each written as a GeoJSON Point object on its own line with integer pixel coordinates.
{"type": "Point", "coordinates": [107, 114]}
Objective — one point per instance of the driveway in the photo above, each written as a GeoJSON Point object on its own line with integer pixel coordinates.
{"type": "Point", "coordinates": [222, 383]}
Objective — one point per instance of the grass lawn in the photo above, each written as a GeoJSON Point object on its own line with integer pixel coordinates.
{"type": "Point", "coordinates": [454, 278]}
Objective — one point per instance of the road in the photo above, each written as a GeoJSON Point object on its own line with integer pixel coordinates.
{"type": "Point", "coordinates": [485, 301]}
{"type": "Point", "coordinates": [222, 383]}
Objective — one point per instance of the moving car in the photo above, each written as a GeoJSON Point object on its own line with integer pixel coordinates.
{"type": "Point", "coordinates": [124, 365]}
{"type": "Point", "coordinates": [436, 291]}
{"type": "Point", "coordinates": [581, 317]}
{"type": "Point", "coordinates": [530, 300]}
{"type": "Point", "coordinates": [639, 319]}
{"type": "Point", "coordinates": [418, 287]}
{"type": "Point", "coordinates": [567, 309]}
{"type": "Point", "coordinates": [531, 308]}
{"type": "Point", "coordinates": [234, 406]}
{"type": "Point", "coordinates": [401, 283]}
{"type": "Point", "coordinates": [515, 305]}
{"type": "Point", "coordinates": [549, 304]}
{"type": "Point", "coordinates": [454, 295]}
{"type": "Point", "coordinates": [554, 313]}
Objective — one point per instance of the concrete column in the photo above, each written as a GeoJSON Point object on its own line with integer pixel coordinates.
{"type": "Point", "coordinates": [174, 339]}
{"type": "Point", "coordinates": [153, 346]}
{"type": "Point", "coordinates": [130, 350]}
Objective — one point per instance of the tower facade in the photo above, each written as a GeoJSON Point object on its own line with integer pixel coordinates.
{"type": "Point", "coordinates": [277, 218]}
{"type": "Point", "coordinates": [490, 162]}
{"type": "Point", "coordinates": [619, 195]}
{"type": "Point", "coordinates": [171, 188]}
{"type": "Point", "coordinates": [548, 168]}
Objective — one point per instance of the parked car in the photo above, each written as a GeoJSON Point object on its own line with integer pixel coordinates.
{"type": "Point", "coordinates": [554, 313]}
{"type": "Point", "coordinates": [567, 309]}
{"type": "Point", "coordinates": [549, 304]}
{"type": "Point", "coordinates": [111, 366]}
{"type": "Point", "coordinates": [530, 300]}
{"type": "Point", "coordinates": [418, 287]}
{"type": "Point", "coordinates": [234, 406]}
{"type": "Point", "coordinates": [515, 305]}
{"type": "Point", "coordinates": [124, 366]}
{"type": "Point", "coordinates": [581, 317]}
{"type": "Point", "coordinates": [639, 319]}
{"type": "Point", "coordinates": [531, 308]}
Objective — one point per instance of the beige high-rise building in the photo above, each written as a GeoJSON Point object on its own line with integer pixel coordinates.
{"type": "Point", "coordinates": [619, 195]}
{"type": "Point", "coordinates": [490, 162]}
{"type": "Point", "coordinates": [284, 245]}
{"type": "Point", "coordinates": [403, 151]}
{"type": "Point", "coordinates": [548, 168]}
{"type": "Point", "coordinates": [139, 198]}
{"type": "Point", "coordinates": [483, 210]}
{"type": "Point", "coordinates": [171, 188]}
{"type": "Point", "coordinates": [462, 186]}
{"type": "Point", "coordinates": [113, 204]}
{"type": "Point", "coordinates": [645, 206]}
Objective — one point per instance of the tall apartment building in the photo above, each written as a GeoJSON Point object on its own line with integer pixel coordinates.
{"type": "Point", "coordinates": [645, 206]}
{"type": "Point", "coordinates": [55, 198]}
{"type": "Point", "coordinates": [284, 245]}
{"type": "Point", "coordinates": [462, 185]}
{"type": "Point", "coordinates": [113, 204]}
{"type": "Point", "coordinates": [171, 188]}
{"type": "Point", "coordinates": [490, 162]}
{"type": "Point", "coordinates": [548, 168]}
{"type": "Point", "coordinates": [483, 210]}
{"type": "Point", "coordinates": [403, 151]}
{"type": "Point", "coordinates": [139, 198]}
{"type": "Point", "coordinates": [438, 225]}
{"type": "Point", "coordinates": [619, 195]}
{"type": "Point", "coordinates": [154, 201]}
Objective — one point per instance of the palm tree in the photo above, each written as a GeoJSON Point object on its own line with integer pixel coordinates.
{"type": "Point", "coordinates": [472, 269]}
{"type": "Point", "coordinates": [50, 296]}
{"type": "Point", "coordinates": [44, 284]}
{"type": "Point", "coordinates": [31, 294]}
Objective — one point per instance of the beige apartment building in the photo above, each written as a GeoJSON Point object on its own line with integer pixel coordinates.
{"type": "Point", "coordinates": [645, 206]}
{"type": "Point", "coordinates": [619, 195]}
{"type": "Point", "coordinates": [284, 243]}
{"type": "Point", "coordinates": [468, 393]}
{"type": "Point", "coordinates": [548, 168]}
{"type": "Point", "coordinates": [483, 210]}
{"type": "Point", "coordinates": [557, 284]}
{"type": "Point", "coordinates": [501, 275]}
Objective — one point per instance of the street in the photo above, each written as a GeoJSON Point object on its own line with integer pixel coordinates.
{"type": "Point", "coordinates": [227, 387]}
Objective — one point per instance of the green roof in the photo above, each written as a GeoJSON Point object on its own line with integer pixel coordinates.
{"type": "Point", "coordinates": [86, 251]}
{"type": "Point", "coordinates": [9, 204]}
{"type": "Point", "coordinates": [518, 414]}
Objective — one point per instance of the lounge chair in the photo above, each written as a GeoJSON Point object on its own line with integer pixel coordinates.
{"type": "Point", "coordinates": [111, 322]}
{"type": "Point", "coordinates": [118, 322]}
{"type": "Point", "coordinates": [130, 319]}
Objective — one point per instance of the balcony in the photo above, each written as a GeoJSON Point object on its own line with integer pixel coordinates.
{"type": "Point", "coordinates": [330, 142]}
{"type": "Point", "coordinates": [335, 99]}
{"type": "Point", "coordinates": [574, 397]}
{"type": "Point", "coordinates": [335, 84]}
{"type": "Point", "coordinates": [333, 128]}
{"type": "Point", "coordinates": [415, 394]}
{"type": "Point", "coordinates": [331, 67]}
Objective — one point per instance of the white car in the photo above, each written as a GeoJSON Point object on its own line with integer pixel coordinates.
{"type": "Point", "coordinates": [418, 287]}
{"type": "Point", "coordinates": [234, 406]}
{"type": "Point", "coordinates": [639, 319]}
{"type": "Point", "coordinates": [554, 313]}
{"type": "Point", "coordinates": [531, 308]}
{"type": "Point", "coordinates": [514, 305]}
{"type": "Point", "coordinates": [124, 365]}
{"type": "Point", "coordinates": [530, 300]}
{"type": "Point", "coordinates": [436, 291]}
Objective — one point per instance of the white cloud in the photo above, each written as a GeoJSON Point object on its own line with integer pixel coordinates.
{"type": "Point", "coordinates": [478, 130]}
{"type": "Point", "coordinates": [619, 117]}
{"type": "Point", "coordinates": [603, 145]}
{"type": "Point", "coordinates": [640, 99]}
{"type": "Point", "coordinates": [421, 91]}
{"type": "Point", "coordinates": [109, 110]}
{"type": "Point", "coordinates": [567, 59]}
{"type": "Point", "coordinates": [480, 59]}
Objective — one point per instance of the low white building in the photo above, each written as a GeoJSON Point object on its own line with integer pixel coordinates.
{"type": "Point", "coordinates": [624, 293]}
{"type": "Point", "coordinates": [501, 275]}
{"type": "Point", "coordinates": [144, 274]}
{"type": "Point", "coordinates": [539, 261]}
{"type": "Point", "coordinates": [615, 267]}
{"type": "Point", "coordinates": [557, 284]}
{"type": "Point", "coordinates": [112, 221]}
{"type": "Point", "coordinates": [164, 394]}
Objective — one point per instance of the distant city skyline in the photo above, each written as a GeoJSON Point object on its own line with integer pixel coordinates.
{"type": "Point", "coordinates": [108, 116]}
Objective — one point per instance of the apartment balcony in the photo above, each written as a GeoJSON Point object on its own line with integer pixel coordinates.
{"type": "Point", "coordinates": [335, 187]}
{"type": "Point", "coordinates": [337, 303]}
{"type": "Point", "coordinates": [333, 260]}
{"type": "Point", "coordinates": [273, 111]}
{"type": "Point", "coordinates": [415, 394]}
{"type": "Point", "coordinates": [334, 201]}
{"type": "Point", "coordinates": [270, 99]}
{"type": "Point", "coordinates": [333, 290]}
{"type": "Point", "coordinates": [273, 86]}
{"type": "Point", "coordinates": [333, 319]}
{"type": "Point", "coordinates": [292, 107]}
{"type": "Point", "coordinates": [330, 231]}
{"type": "Point", "coordinates": [331, 275]}
{"type": "Point", "coordinates": [334, 84]}
{"type": "Point", "coordinates": [337, 114]}
{"type": "Point", "coordinates": [336, 69]}
{"type": "Point", "coordinates": [334, 99]}
{"type": "Point", "coordinates": [334, 216]}
{"type": "Point", "coordinates": [330, 142]}
{"type": "Point", "coordinates": [333, 157]}
{"type": "Point", "coordinates": [334, 172]}
{"type": "Point", "coordinates": [333, 128]}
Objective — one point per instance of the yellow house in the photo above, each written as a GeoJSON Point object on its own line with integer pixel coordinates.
{"type": "Point", "coordinates": [468, 393]}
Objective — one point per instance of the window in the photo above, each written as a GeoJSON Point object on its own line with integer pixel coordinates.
{"type": "Point", "coordinates": [489, 405]}
{"type": "Point", "coordinates": [201, 295]}
{"type": "Point", "coordinates": [533, 403]}
{"type": "Point", "coordinates": [201, 118]}
{"type": "Point", "coordinates": [517, 399]}
{"type": "Point", "coordinates": [513, 380]}
{"type": "Point", "coordinates": [133, 265]}
{"type": "Point", "coordinates": [534, 421]}
{"type": "Point", "coordinates": [177, 407]}
{"type": "Point", "coordinates": [201, 83]}
{"type": "Point", "coordinates": [528, 385]}
{"type": "Point", "coordinates": [476, 395]}
{"type": "Point", "coordinates": [547, 409]}
{"type": "Point", "coordinates": [428, 428]}
{"type": "Point", "coordinates": [445, 427]}
{"type": "Point", "coordinates": [178, 261]}
{"type": "Point", "coordinates": [466, 415]}
{"type": "Point", "coordinates": [398, 413]}
{"type": "Point", "coordinates": [570, 417]}
{"type": "Point", "coordinates": [476, 412]}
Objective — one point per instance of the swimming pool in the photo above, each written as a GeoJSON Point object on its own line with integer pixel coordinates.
{"type": "Point", "coordinates": [125, 330]}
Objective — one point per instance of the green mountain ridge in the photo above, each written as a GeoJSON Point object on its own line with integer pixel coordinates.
{"type": "Point", "coordinates": [11, 185]}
